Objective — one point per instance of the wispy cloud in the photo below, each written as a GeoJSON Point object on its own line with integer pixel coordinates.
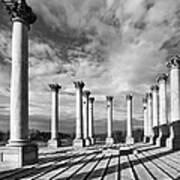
{"type": "Point", "coordinates": [114, 46]}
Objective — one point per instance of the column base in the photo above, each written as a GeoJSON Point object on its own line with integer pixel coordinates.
{"type": "Point", "coordinates": [54, 143]}
{"type": "Point", "coordinates": [19, 156]}
{"type": "Point", "coordinates": [146, 139]}
{"type": "Point", "coordinates": [87, 141]}
{"type": "Point", "coordinates": [151, 138]}
{"type": "Point", "coordinates": [109, 141]}
{"type": "Point", "coordinates": [173, 142]}
{"type": "Point", "coordinates": [92, 141]}
{"type": "Point", "coordinates": [129, 140]}
{"type": "Point", "coordinates": [163, 135]}
{"type": "Point", "coordinates": [79, 143]}
{"type": "Point", "coordinates": [156, 134]}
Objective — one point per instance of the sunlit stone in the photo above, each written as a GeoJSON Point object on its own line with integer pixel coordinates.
{"type": "Point", "coordinates": [78, 141]}
{"type": "Point", "coordinates": [86, 118]}
{"type": "Point", "coordinates": [109, 139]}
{"type": "Point", "coordinates": [163, 118]}
{"type": "Point", "coordinates": [19, 151]}
{"type": "Point", "coordinates": [129, 138]}
{"type": "Point", "coordinates": [155, 112]}
{"type": "Point", "coordinates": [150, 118]}
{"type": "Point", "coordinates": [173, 141]}
{"type": "Point", "coordinates": [54, 141]}
{"type": "Point", "coordinates": [91, 120]}
{"type": "Point", "coordinates": [145, 116]}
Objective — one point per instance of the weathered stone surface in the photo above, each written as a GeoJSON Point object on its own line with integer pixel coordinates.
{"type": "Point", "coordinates": [129, 138]}
{"type": "Point", "coordinates": [19, 155]}
{"type": "Point", "coordinates": [109, 139]}
{"type": "Point", "coordinates": [173, 141]}
{"type": "Point", "coordinates": [19, 150]}
{"type": "Point", "coordinates": [54, 141]}
{"type": "Point", "coordinates": [78, 141]}
{"type": "Point", "coordinates": [86, 95]}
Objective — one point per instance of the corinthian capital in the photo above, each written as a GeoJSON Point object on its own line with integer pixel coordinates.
{"type": "Point", "coordinates": [86, 94]}
{"type": "Point", "coordinates": [174, 62]}
{"type": "Point", "coordinates": [79, 84]}
{"type": "Point", "coordinates": [55, 87]}
{"type": "Point", "coordinates": [155, 88]}
{"type": "Point", "coordinates": [149, 95]}
{"type": "Point", "coordinates": [145, 102]}
{"type": "Point", "coordinates": [161, 77]}
{"type": "Point", "coordinates": [129, 97]}
{"type": "Point", "coordinates": [109, 98]}
{"type": "Point", "coordinates": [18, 9]}
{"type": "Point", "coordinates": [91, 100]}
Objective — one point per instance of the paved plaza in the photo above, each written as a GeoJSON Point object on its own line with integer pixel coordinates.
{"type": "Point", "coordinates": [101, 162]}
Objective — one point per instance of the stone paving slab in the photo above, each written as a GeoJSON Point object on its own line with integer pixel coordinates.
{"type": "Point", "coordinates": [99, 163]}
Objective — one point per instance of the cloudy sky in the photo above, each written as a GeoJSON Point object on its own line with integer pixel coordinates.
{"type": "Point", "coordinates": [114, 46]}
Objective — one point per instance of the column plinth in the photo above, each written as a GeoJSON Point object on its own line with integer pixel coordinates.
{"type": "Point", "coordinates": [54, 142]}
{"type": "Point", "coordinates": [87, 140]}
{"type": "Point", "coordinates": [91, 120]}
{"type": "Point", "coordinates": [79, 141]}
{"type": "Point", "coordinates": [145, 116]}
{"type": "Point", "coordinates": [109, 139]}
{"type": "Point", "coordinates": [155, 112]}
{"type": "Point", "coordinates": [163, 118]}
{"type": "Point", "coordinates": [173, 142]}
{"type": "Point", "coordinates": [129, 137]}
{"type": "Point", "coordinates": [20, 150]}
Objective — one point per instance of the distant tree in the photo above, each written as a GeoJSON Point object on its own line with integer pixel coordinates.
{"type": "Point", "coordinates": [119, 136]}
{"type": "Point", "coordinates": [36, 135]}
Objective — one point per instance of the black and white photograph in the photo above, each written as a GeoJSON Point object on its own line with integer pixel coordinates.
{"type": "Point", "coordinates": [89, 89]}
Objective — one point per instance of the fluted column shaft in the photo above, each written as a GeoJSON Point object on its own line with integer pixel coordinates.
{"type": "Point", "coordinates": [145, 116]}
{"type": "Point", "coordinates": [19, 83]}
{"type": "Point", "coordinates": [19, 76]}
{"type": "Point", "coordinates": [78, 141]}
{"type": "Point", "coordinates": [173, 141]}
{"type": "Point", "coordinates": [149, 111]}
{"type": "Point", "coordinates": [155, 113]}
{"type": "Point", "coordinates": [175, 93]}
{"type": "Point", "coordinates": [162, 79]}
{"type": "Point", "coordinates": [19, 151]}
{"type": "Point", "coordinates": [86, 117]}
{"type": "Point", "coordinates": [129, 115]}
{"type": "Point", "coordinates": [109, 139]}
{"type": "Point", "coordinates": [110, 116]}
{"type": "Point", "coordinates": [91, 119]}
{"type": "Point", "coordinates": [155, 105]}
{"type": "Point", "coordinates": [79, 109]}
{"type": "Point", "coordinates": [163, 118]}
{"type": "Point", "coordinates": [55, 111]}
{"type": "Point", "coordinates": [129, 138]}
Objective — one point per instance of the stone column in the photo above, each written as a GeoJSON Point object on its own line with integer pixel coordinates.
{"type": "Point", "coordinates": [109, 139]}
{"type": "Point", "coordinates": [150, 118]}
{"type": "Point", "coordinates": [86, 138]}
{"type": "Point", "coordinates": [155, 112]}
{"type": "Point", "coordinates": [91, 120]}
{"type": "Point", "coordinates": [20, 150]}
{"type": "Point", "coordinates": [129, 137]}
{"type": "Point", "coordinates": [163, 117]}
{"type": "Point", "coordinates": [54, 141]}
{"type": "Point", "coordinates": [78, 141]}
{"type": "Point", "coordinates": [173, 142]}
{"type": "Point", "coordinates": [146, 137]}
